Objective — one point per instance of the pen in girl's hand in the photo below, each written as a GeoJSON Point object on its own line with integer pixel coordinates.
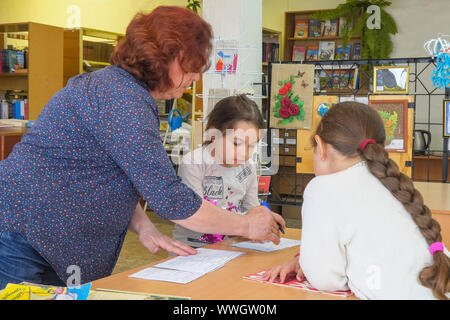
{"type": "Point", "coordinates": [265, 204]}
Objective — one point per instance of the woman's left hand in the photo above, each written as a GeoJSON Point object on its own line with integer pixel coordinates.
{"type": "Point", "coordinates": [154, 240]}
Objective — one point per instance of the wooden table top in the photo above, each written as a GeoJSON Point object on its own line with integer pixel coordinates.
{"type": "Point", "coordinates": [227, 282]}
{"type": "Point", "coordinates": [12, 131]}
{"type": "Point", "coordinates": [436, 195]}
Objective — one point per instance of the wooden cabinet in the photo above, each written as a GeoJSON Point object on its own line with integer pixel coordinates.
{"type": "Point", "coordinates": [9, 136]}
{"type": "Point", "coordinates": [428, 168]}
{"type": "Point", "coordinates": [44, 76]}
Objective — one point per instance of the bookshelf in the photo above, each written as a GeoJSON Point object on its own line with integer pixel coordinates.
{"type": "Point", "coordinates": [87, 50]}
{"type": "Point", "coordinates": [271, 47]}
{"type": "Point", "coordinates": [44, 74]}
{"type": "Point", "coordinates": [290, 40]}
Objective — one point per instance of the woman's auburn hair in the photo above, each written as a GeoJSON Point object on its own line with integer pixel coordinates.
{"type": "Point", "coordinates": [345, 126]}
{"type": "Point", "coordinates": [154, 40]}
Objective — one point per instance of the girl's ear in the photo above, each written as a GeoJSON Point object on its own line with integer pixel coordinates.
{"type": "Point", "coordinates": [321, 147]}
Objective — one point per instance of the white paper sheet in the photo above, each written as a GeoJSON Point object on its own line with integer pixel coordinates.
{"type": "Point", "coordinates": [206, 260]}
{"type": "Point", "coordinates": [268, 246]}
{"type": "Point", "coordinates": [168, 275]}
{"type": "Point", "coordinates": [185, 269]}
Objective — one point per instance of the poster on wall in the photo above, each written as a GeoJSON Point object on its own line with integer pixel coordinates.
{"type": "Point", "coordinates": [447, 119]}
{"type": "Point", "coordinates": [226, 56]}
{"type": "Point", "coordinates": [394, 114]}
{"type": "Point", "coordinates": [291, 96]}
{"type": "Point", "coordinates": [391, 80]}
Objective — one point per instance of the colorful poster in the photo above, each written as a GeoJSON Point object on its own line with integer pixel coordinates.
{"type": "Point", "coordinates": [226, 56]}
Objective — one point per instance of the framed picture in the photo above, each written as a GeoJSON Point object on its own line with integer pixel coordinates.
{"type": "Point", "coordinates": [394, 114]}
{"type": "Point", "coordinates": [291, 96]}
{"type": "Point", "coordinates": [446, 118]}
{"type": "Point", "coordinates": [390, 80]}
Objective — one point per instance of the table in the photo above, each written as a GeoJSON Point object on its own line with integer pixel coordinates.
{"type": "Point", "coordinates": [226, 283]}
{"type": "Point", "coordinates": [436, 196]}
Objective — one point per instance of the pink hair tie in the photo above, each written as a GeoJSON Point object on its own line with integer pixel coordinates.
{"type": "Point", "coordinates": [436, 246]}
{"type": "Point", "coordinates": [363, 144]}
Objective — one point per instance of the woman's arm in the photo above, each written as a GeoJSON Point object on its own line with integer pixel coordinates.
{"type": "Point", "coordinates": [154, 240]}
{"type": "Point", "coordinates": [258, 224]}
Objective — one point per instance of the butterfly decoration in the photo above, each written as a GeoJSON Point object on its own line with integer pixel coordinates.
{"type": "Point", "coordinates": [304, 84]}
{"type": "Point", "coordinates": [301, 74]}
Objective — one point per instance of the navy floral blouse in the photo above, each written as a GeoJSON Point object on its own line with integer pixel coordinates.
{"type": "Point", "coordinates": [71, 185]}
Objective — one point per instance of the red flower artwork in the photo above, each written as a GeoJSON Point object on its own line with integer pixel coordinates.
{"type": "Point", "coordinates": [287, 106]}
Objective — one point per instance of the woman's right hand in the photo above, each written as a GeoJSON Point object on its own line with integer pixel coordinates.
{"type": "Point", "coordinates": [262, 224]}
{"type": "Point", "coordinates": [283, 270]}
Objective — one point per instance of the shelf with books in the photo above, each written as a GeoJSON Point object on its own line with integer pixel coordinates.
{"type": "Point", "coordinates": [87, 50]}
{"type": "Point", "coordinates": [270, 45]}
{"type": "Point", "coordinates": [271, 51]}
{"type": "Point", "coordinates": [41, 48]}
{"type": "Point", "coordinates": [322, 38]}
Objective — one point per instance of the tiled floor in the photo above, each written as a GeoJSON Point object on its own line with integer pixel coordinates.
{"type": "Point", "coordinates": [134, 255]}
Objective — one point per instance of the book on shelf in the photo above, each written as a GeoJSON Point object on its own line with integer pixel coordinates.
{"type": "Point", "coordinates": [343, 53]}
{"type": "Point", "coordinates": [270, 52]}
{"type": "Point", "coordinates": [330, 28]}
{"type": "Point", "coordinates": [12, 60]}
{"type": "Point", "coordinates": [356, 51]}
{"type": "Point", "coordinates": [342, 26]}
{"type": "Point", "coordinates": [298, 53]}
{"type": "Point", "coordinates": [326, 50]}
{"type": "Point", "coordinates": [264, 184]}
{"type": "Point", "coordinates": [338, 79]}
{"type": "Point", "coordinates": [314, 28]}
{"type": "Point", "coordinates": [301, 28]}
{"type": "Point", "coordinates": [312, 53]}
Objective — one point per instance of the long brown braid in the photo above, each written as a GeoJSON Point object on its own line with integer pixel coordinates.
{"type": "Point", "coordinates": [344, 127]}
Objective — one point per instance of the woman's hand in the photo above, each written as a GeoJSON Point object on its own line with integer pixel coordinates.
{"type": "Point", "coordinates": [262, 224]}
{"type": "Point", "coordinates": [154, 240]}
{"type": "Point", "coordinates": [282, 271]}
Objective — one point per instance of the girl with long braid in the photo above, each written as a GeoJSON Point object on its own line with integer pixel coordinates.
{"type": "Point", "coordinates": [365, 226]}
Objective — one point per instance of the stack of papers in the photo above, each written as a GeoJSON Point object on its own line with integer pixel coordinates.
{"type": "Point", "coordinates": [268, 246]}
{"type": "Point", "coordinates": [185, 269]}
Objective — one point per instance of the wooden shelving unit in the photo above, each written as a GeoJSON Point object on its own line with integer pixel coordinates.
{"type": "Point", "coordinates": [44, 76]}
{"type": "Point", "coordinates": [275, 36]}
{"type": "Point", "coordinates": [74, 60]}
{"type": "Point", "coordinates": [290, 40]}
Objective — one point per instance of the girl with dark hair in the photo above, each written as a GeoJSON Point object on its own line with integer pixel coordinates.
{"type": "Point", "coordinates": [221, 171]}
{"type": "Point", "coordinates": [70, 188]}
{"type": "Point", "coordinates": [365, 226]}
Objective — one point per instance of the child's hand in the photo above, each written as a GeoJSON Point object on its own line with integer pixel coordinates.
{"type": "Point", "coordinates": [283, 270]}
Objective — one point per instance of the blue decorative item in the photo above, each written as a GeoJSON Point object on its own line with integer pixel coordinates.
{"type": "Point", "coordinates": [176, 121]}
{"type": "Point", "coordinates": [323, 108]}
{"type": "Point", "coordinates": [441, 73]}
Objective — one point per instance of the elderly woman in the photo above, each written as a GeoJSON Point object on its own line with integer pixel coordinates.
{"type": "Point", "coordinates": [70, 188]}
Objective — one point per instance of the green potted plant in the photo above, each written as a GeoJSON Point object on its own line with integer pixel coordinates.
{"type": "Point", "coordinates": [193, 5]}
